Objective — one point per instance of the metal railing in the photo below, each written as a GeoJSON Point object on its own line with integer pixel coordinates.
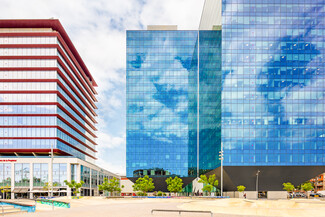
{"type": "Point", "coordinates": [180, 211]}
{"type": "Point", "coordinates": [48, 201]}
{"type": "Point", "coordinates": [53, 203]}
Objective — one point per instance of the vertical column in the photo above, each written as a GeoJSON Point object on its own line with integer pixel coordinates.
{"type": "Point", "coordinates": [69, 179]}
{"type": "Point", "coordinates": [31, 180]}
{"type": "Point", "coordinates": [90, 182]}
{"type": "Point", "coordinates": [198, 108]}
{"type": "Point", "coordinates": [12, 180]}
{"type": "Point", "coordinates": [78, 178]}
{"type": "Point", "coordinates": [97, 190]}
{"type": "Point", "coordinates": [50, 174]}
{"type": "Point", "coordinates": [78, 173]}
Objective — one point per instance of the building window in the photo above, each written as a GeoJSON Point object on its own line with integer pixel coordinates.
{"type": "Point", "coordinates": [101, 178]}
{"type": "Point", "coordinates": [85, 176]}
{"type": "Point", "coordinates": [22, 175]}
{"type": "Point", "coordinates": [94, 178]}
{"type": "Point", "coordinates": [5, 174]}
{"type": "Point", "coordinates": [74, 172]}
{"type": "Point", "coordinates": [59, 174]}
{"type": "Point", "coordinates": [40, 176]}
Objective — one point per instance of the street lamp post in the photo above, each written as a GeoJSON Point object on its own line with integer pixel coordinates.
{"type": "Point", "coordinates": [258, 171]}
{"type": "Point", "coordinates": [221, 169]}
{"type": "Point", "coordinates": [51, 182]}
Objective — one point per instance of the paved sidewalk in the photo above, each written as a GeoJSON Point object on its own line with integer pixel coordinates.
{"type": "Point", "coordinates": [131, 208]}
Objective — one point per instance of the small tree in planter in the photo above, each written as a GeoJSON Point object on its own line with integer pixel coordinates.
{"type": "Point", "coordinates": [289, 187]}
{"type": "Point", "coordinates": [48, 187]}
{"type": "Point", "coordinates": [307, 187]}
{"type": "Point", "coordinates": [209, 183]}
{"type": "Point", "coordinates": [174, 184]}
{"type": "Point", "coordinates": [241, 188]}
{"type": "Point", "coordinates": [74, 185]}
{"type": "Point", "coordinates": [111, 185]}
{"type": "Point", "coordinates": [143, 185]}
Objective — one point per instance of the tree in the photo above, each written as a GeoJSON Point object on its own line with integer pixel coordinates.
{"type": "Point", "coordinates": [241, 188]}
{"type": "Point", "coordinates": [174, 184]}
{"type": "Point", "coordinates": [111, 185]}
{"type": "Point", "coordinates": [74, 185]}
{"type": "Point", "coordinates": [144, 185]}
{"type": "Point", "coordinates": [209, 183]}
{"type": "Point", "coordinates": [288, 187]}
{"type": "Point", "coordinates": [307, 186]}
{"type": "Point", "coordinates": [4, 191]}
{"type": "Point", "coordinates": [47, 186]}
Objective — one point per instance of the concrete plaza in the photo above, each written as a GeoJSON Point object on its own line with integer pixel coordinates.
{"type": "Point", "coordinates": [131, 207]}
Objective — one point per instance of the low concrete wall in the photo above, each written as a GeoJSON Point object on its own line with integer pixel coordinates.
{"type": "Point", "coordinates": [272, 195]}
{"type": "Point", "coordinates": [237, 194]}
{"type": "Point", "coordinates": [277, 195]}
{"type": "Point", "coordinates": [232, 194]}
{"type": "Point", "coordinates": [251, 195]}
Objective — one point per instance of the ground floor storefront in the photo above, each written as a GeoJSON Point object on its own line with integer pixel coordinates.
{"type": "Point", "coordinates": [28, 177]}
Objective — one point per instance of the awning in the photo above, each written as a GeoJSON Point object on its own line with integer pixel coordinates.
{"type": "Point", "coordinates": [40, 190]}
{"type": "Point", "coordinates": [20, 190]}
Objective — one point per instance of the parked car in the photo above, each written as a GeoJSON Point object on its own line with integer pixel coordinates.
{"type": "Point", "coordinates": [316, 195]}
{"type": "Point", "coordinates": [299, 194]}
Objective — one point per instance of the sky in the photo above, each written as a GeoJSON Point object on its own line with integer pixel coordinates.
{"type": "Point", "coordinates": [98, 30]}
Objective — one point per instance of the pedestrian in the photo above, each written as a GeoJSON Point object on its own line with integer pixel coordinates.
{"type": "Point", "coordinates": [245, 195]}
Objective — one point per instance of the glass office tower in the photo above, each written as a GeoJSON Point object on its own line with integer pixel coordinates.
{"type": "Point", "coordinates": [47, 99]}
{"type": "Point", "coordinates": [162, 102]}
{"type": "Point", "coordinates": [47, 94]}
{"type": "Point", "coordinates": [273, 87]}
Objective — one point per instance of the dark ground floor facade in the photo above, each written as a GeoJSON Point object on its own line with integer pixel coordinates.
{"type": "Point", "coordinates": [270, 178]}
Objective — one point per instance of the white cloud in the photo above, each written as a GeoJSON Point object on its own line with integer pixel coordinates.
{"type": "Point", "coordinates": [118, 169]}
{"type": "Point", "coordinates": [184, 13]}
{"type": "Point", "coordinates": [97, 29]}
{"type": "Point", "coordinates": [108, 141]}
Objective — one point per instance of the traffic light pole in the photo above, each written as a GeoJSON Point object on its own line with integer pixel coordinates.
{"type": "Point", "coordinates": [221, 169]}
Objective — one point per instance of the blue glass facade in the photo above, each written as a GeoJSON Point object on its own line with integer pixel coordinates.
{"type": "Point", "coordinates": [162, 96]}
{"type": "Point", "coordinates": [260, 93]}
{"type": "Point", "coordinates": [210, 99]}
{"type": "Point", "coordinates": [273, 82]}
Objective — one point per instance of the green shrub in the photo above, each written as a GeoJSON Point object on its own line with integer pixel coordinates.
{"type": "Point", "coordinates": [160, 193]}
{"type": "Point", "coordinates": [141, 194]}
